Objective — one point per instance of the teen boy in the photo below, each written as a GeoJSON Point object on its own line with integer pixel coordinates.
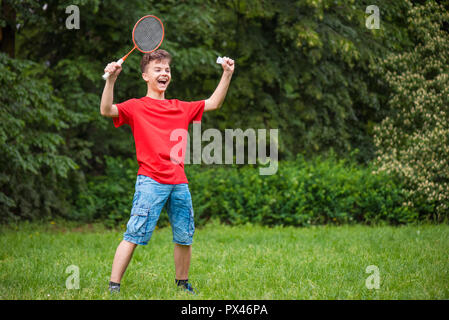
{"type": "Point", "coordinates": [160, 181]}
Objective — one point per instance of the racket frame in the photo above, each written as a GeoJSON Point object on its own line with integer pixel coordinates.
{"type": "Point", "coordinates": [120, 61]}
{"type": "Point", "coordinates": [134, 29]}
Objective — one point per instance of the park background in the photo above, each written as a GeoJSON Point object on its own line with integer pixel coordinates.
{"type": "Point", "coordinates": [362, 113]}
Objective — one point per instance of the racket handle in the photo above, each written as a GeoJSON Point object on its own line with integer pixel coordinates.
{"type": "Point", "coordinates": [107, 74]}
{"type": "Point", "coordinates": [219, 60]}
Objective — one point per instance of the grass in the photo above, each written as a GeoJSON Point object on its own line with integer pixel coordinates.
{"type": "Point", "coordinates": [244, 262]}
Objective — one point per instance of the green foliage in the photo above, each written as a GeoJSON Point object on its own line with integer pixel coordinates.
{"type": "Point", "coordinates": [32, 164]}
{"type": "Point", "coordinates": [413, 140]}
{"type": "Point", "coordinates": [108, 198]}
{"type": "Point", "coordinates": [304, 67]}
{"type": "Point", "coordinates": [302, 193]}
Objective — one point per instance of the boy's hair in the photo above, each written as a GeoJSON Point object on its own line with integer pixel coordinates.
{"type": "Point", "coordinates": [159, 54]}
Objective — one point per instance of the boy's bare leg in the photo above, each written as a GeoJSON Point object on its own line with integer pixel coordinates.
{"type": "Point", "coordinates": [182, 256]}
{"type": "Point", "coordinates": [122, 257]}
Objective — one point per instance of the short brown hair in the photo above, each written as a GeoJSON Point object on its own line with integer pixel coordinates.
{"type": "Point", "coordinates": [159, 54]}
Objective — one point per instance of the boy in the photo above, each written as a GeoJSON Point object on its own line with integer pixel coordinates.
{"type": "Point", "coordinates": [160, 181]}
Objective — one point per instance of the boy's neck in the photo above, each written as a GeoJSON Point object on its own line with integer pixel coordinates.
{"type": "Point", "coordinates": [156, 95]}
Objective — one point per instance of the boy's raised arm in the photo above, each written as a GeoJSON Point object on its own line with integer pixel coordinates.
{"type": "Point", "coordinates": [216, 99]}
{"type": "Point", "coordinates": [107, 108]}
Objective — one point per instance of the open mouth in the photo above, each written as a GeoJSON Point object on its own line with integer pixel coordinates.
{"type": "Point", "coordinates": [162, 81]}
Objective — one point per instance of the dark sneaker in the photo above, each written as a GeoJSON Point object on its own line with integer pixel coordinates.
{"type": "Point", "coordinates": [185, 285]}
{"type": "Point", "coordinates": [114, 287]}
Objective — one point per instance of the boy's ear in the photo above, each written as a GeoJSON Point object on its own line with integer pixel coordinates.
{"type": "Point", "coordinates": [145, 77]}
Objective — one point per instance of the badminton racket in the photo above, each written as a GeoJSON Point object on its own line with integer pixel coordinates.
{"type": "Point", "coordinates": [148, 34]}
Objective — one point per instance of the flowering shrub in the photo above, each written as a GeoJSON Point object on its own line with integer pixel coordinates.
{"type": "Point", "coordinates": [413, 141]}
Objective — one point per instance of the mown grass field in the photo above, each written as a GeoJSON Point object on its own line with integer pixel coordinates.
{"type": "Point", "coordinates": [245, 262]}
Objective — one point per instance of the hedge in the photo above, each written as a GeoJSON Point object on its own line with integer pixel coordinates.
{"type": "Point", "coordinates": [301, 193]}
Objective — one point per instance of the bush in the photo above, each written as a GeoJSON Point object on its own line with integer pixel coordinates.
{"type": "Point", "coordinates": [108, 198]}
{"type": "Point", "coordinates": [302, 193]}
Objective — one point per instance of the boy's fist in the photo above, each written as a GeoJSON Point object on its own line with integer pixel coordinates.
{"type": "Point", "coordinates": [228, 65]}
{"type": "Point", "coordinates": [114, 69]}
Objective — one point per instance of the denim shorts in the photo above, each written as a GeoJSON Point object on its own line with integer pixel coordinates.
{"type": "Point", "coordinates": [149, 199]}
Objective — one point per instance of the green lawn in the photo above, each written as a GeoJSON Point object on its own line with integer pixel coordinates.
{"type": "Point", "coordinates": [246, 262]}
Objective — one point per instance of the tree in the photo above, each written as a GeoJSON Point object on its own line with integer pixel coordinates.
{"type": "Point", "coordinates": [7, 30]}
{"type": "Point", "coordinates": [32, 164]}
{"type": "Point", "coordinates": [413, 141]}
{"type": "Point", "coordinates": [302, 67]}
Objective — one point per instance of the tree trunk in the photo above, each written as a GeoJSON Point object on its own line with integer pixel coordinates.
{"type": "Point", "coordinates": [8, 33]}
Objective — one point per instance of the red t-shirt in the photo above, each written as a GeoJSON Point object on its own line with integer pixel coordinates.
{"type": "Point", "coordinates": [152, 122]}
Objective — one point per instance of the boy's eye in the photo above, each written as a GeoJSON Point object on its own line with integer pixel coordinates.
{"type": "Point", "coordinates": [159, 70]}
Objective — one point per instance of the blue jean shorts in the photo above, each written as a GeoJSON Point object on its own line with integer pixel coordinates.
{"type": "Point", "coordinates": [149, 199]}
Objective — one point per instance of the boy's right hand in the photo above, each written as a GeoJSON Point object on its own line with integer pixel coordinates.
{"type": "Point", "coordinates": [114, 70]}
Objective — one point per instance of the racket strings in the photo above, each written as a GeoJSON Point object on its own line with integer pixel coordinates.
{"type": "Point", "coordinates": [148, 34]}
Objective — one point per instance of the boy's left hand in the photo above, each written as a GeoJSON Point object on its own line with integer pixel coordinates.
{"type": "Point", "coordinates": [228, 65]}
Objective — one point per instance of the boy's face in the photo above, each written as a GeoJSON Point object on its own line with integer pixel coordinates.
{"type": "Point", "coordinates": [157, 75]}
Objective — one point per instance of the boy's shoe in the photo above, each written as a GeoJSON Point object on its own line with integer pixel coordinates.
{"type": "Point", "coordinates": [185, 285]}
{"type": "Point", "coordinates": [114, 287]}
